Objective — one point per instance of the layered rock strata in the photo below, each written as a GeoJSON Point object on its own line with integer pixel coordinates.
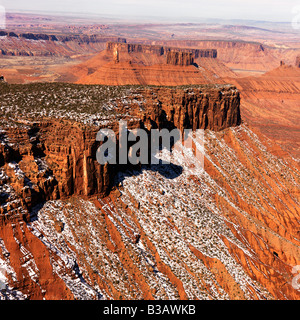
{"type": "Point", "coordinates": [51, 159]}
{"type": "Point", "coordinates": [159, 50]}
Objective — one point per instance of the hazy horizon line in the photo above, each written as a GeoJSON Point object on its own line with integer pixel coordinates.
{"type": "Point", "coordinates": [147, 18]}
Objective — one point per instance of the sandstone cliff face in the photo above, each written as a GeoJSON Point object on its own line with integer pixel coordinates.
{"type": "Point", "coordinates": [180, 58]}
{"type": "Point", "coordinates": [136, 64]}
{"type": "Point", "coordinates": [53, 159]}
{"type": "Point", "coordinates": [160, 50]}
{"type": "Point", "coordinates": [138, 48]}
{"type": "Point", "coordinates": [49, 161]}
{"type": "Point", "coordinates": [215, 108]}
{"type": "Point", "coordinates": [229, 232]}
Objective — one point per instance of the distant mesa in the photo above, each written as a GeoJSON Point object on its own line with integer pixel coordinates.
{"type": "Point", "coordinates": [41, 44]}
{"type": "Point", "coordinates": [159, 50]}
{"type": "Point", "coordinates": [144, 64]}
{"type": "Point", "coordinates": [298, 62]}
{"type": "Point", "coordinates": [176, 57]}
{"type": "Point", "coordinates": [62, 38]}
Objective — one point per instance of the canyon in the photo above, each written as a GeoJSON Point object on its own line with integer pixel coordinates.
{"type": "Point", "coordinates": [72, 229]}
{"type": "Point", "coordinates": [224, 226]}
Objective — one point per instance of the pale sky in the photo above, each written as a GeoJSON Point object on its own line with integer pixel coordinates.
{"type": "Point", "coordinates": [270, 10]}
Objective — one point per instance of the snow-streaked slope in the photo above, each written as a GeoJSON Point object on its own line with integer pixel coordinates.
{"type": "Point", "coordinates": [230, 231]}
